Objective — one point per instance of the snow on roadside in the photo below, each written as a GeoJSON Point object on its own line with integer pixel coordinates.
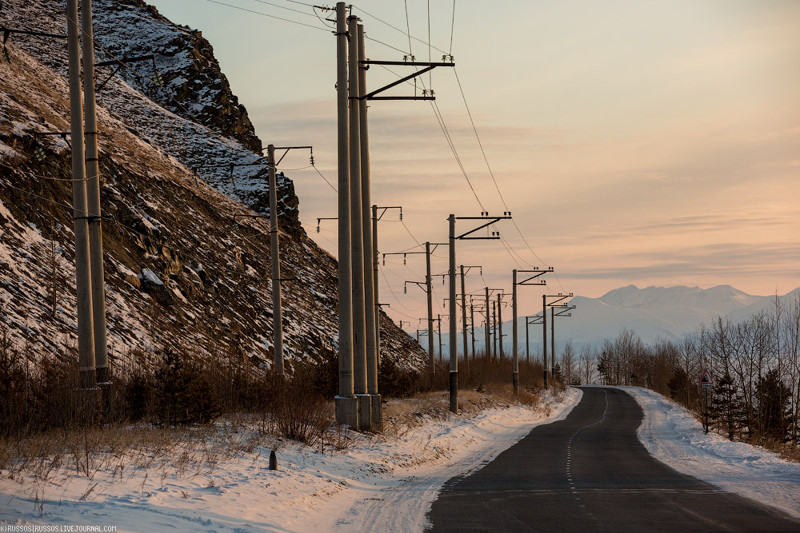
{"type": "Point", "coordinates": [673, 436]}
{"type": "Point", "coordinates": [380, 483]}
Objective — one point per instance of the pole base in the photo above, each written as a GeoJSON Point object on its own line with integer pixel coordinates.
{"type": "Point", "coordinates": [516, 382]}
{"type": "Point", "coordinates": [454, 392]}
{"type": "Point", "coordinates": [545, 379]}
{"type": "Point", "coordinates": [377, 421]}
{"type": "Point", "coordinates": [104, 384]}
{"type": "Point", "coordinates": [347, 411]}
{"type": "Point", "coordinates": [364, 412]}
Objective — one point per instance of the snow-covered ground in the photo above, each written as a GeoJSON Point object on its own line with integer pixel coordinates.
{"type": "Point", "coordinates": [379, 483]}
{"type": "Point", "coordinates": [673, 436]}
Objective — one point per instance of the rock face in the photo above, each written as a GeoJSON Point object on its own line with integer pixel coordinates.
{"type": "Point", "coordinates": [182, 270]}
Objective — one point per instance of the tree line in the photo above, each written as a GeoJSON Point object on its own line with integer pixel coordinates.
{"type": "Point", "coordinates": [755, 365]}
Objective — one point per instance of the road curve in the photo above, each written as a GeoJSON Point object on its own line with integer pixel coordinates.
{"type": "Point", "coordinates": [589, 472]}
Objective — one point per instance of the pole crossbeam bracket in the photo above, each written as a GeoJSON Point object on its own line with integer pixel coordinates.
{"type": "Point", "coordinates": [404, 254]}
{"type": "Point", "coordinates": [535, 319]}
{"type": "Point", "coordinates": [535, 273]}
{"type": "Point", "coordinates": [8, 31]}
{"type": "Point", "coordinates": [565, 311]}
{"type": "Point", "coordinates": [244, 215]}
{"type": "Point", "coordinates": [428, 67]}
{"type": "Point", "coordinates": [489, 222]}
{"type": "Point", "coordinates": [287, 148]}
{"type": "Point", "coordinates": [386, 208]}
{"type": "Point", "coordinates": [124, 61]}
{"type": "Point", "coordinates": [320, 219]}
{"type": "Point", "coordinates": [421, 284]}
{"type": "Point", "coordinates": [558, 298]}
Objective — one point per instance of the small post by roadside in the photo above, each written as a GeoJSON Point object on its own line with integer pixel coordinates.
{"type": "Point", "coordinates": [706, 382]}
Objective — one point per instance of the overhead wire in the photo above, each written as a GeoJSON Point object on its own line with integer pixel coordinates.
{"type": "Point", "coordinates": [267, 15]}
{"type": "Point", "coordinates": [452, 27]}
{"type": "Point", "coordinates": [396, 28]}
{"type": "Point", "coordinates": [494, 179]}
{"type": "Point", "coordinates": [430, 72]}
{"type": "Point", "coordinates": [284, 7]}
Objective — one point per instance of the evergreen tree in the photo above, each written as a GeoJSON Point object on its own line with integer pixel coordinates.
{"type": "Point", "coordinates": [727, 407]}
{"type": "Point", "coordinates": [774, 415]}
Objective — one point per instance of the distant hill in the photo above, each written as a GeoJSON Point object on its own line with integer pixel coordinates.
{"type": "Point", "coordinates": [652, 313]}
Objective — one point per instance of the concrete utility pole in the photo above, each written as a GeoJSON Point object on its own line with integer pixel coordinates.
{"type": "Point", "coordinates": [556, 302]}
{"type": "Point", "coordinates": [346, 403]}
{"type": "Point", "coordinates": [532, 320]}
{"type": "Point", "coordinates": [94, 215]}
{"type": "Point", "coordinates": [486, 221]}
{"type": "Point", "coordinates": [527, 342]}
{"type": "Point", "coordinates": [500, 322]}
{"type": "Point", "coordinates": [372, 312]}
{"type": "Point", "coordinates": [356, 237]}
{"type": "Point", "coordinates": [453, 352]}
{"type": "Point", "coordinates": [544, 337]}
{"type": "Point", "coordinates": [439, 322]}
{"type": "Point", "coordinates": [486, 330]}
{"type": "Point", "coordinates": [429, 292]}
{"type": "Point", "coordinates": [375, 287]}
{"type": "Point", "coordinates": [472, 323]}
{"type": "Point", "coordinates": [531, 275]}
{"type": "Point", "coordinates": [494, 330]}
{"type": "Point", "coordinates": [464, 320]}
{"type": "Point", "coordinates": [553, 342]}
{"type": "Point", "coordinates": [564, 312]}
{"type": "Point", "coordinates": [86, 361]}
{"type": "Point", "coordinates": [277, 312]}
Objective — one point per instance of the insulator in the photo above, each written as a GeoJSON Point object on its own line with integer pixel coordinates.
{"type": "Point", "coordinates": [405, 289]}
{"type": "Point", "coordinates": [401, 215]}
{"type": "Point", "coordinates": [318, 228]}
{"type": "Point", "coordinates": [404, 259]}
{"type": "Point", "coordinates": [311, 160]}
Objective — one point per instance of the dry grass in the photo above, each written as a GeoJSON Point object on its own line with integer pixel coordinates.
{"type": "Point", "coordinates": [122, 450]}
{"type": "Point", "coordinates": [400, 416]}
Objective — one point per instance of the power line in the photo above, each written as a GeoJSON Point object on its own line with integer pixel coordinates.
{"type": "Point", "coordinates": [284, 7]}
{"type": "Point", "coordinates": [380, 42]}
{"type": "Point", "coordinates": [452, 27]}
{"type": "Point", "coordinates": [267, 15]}
{"type": "Point", "coordinates": [408, 28]}
{"type": "Point", "coordinates": [411, 234]}
{"type": "Point", "coordinates": [448, 138]}
{"type": "Point", "coordinates": [397, 29]}
{"type": "Point", "coordinates": [491, 173]}
{"type": "Point", "coordinates": [301, 3]}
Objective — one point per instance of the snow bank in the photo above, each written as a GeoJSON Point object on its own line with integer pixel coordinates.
{"type": "Point", "coordinates": [673, 436]}
{"type": "Point", "coordinates": [379, 483]}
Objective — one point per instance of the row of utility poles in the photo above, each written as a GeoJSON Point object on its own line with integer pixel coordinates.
{"type": "Point", "coordinates": [358, 403]}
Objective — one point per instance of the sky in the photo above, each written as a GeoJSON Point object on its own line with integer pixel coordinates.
{"type": "Point", "coordinates": [634, 142]}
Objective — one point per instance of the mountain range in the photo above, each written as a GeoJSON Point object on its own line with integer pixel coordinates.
{"type": "Point", "coordinates": [652, 313]}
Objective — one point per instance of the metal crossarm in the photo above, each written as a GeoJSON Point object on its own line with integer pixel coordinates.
{"type": "Point", "coordinates": [490, 221]}
{"type": "Point", "coordinates": [428, 67]}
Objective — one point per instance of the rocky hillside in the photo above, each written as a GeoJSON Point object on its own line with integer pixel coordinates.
{"type": "Point", "coordinates": [181, 270]}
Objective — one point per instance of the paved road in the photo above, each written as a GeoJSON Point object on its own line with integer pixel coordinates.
{"type": "Point", "coordinates": [589, 472]}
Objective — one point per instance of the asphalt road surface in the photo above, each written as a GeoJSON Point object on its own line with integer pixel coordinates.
{"type": "Point", "coordinates": [589, 472]}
